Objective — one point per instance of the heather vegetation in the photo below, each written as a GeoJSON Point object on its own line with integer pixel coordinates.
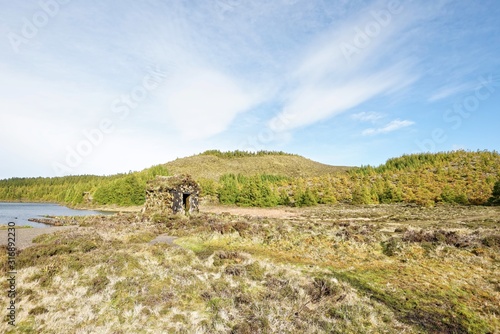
{"type": "Point", "coordinates": [326, 269]}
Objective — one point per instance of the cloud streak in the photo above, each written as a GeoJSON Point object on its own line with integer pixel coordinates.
{"type": "Point", "coordinates": [389, 127]}
{"type": "Point", "coordinates": [326, 83]}
{"type": "Point", "coordinates": [369, 116]}
{"type": "Point", "coordinates": [283, 63]}
{"type": "Point", "coordinates": [449, 91]}
{"type": "Point", "coordinates": [201, 103]}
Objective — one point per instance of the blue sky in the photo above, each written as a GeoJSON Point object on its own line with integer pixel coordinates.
{"type": "Point", "coordinates": [100, 87]}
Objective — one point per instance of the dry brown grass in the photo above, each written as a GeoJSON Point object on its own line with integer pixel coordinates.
{"type": "Point", "coordinates": [338, 269]}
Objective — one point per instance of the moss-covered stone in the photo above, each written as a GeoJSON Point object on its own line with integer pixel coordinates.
{"type": "Point", "coordinates": [172, 194]}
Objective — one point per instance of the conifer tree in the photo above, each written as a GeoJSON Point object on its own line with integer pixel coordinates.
{"type": "Point", "coordinates": [495, 196]}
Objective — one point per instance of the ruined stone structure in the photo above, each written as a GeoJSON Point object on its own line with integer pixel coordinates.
{"type": "Point", "coordinates": [171, 195]}
{"type": "Point", "coordinates": [87, 197]}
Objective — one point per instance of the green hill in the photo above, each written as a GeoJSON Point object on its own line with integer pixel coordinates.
{"type": "Point", "coordinates": [277, 178]}
{"type": "Point", "coordinates": [213, 164]}
{"type": "Point", "coordinates": [128, 189]}
{"type": "Point", "coordinates": [461, 177]}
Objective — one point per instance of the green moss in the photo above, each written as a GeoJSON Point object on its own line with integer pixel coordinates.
{"type": "Point", "coordinates": [142, 237]}
{"type": "Point", "coordinates": [217, 304]}
{"type": "Point", "coordinates": [26, 326]}
{"type": "Point", "coordinates": [255, 271]}
{"type": "Point", "coordinates": [196, 245]}
{"type": "Point", "coordinates": [42, 254]}
{"type": "Point", "coordinates": [124, 264]}
{"type": "Point", "coordinates": [157, 292]}
{"type": "Point", "coordinates": [431, 310]}
{"type": "Point", "coordinates": [47, 238]}
{"type": "Point", "coordinates": [391, 247]}
{"type": "Point", "coordinates": [125, 294]}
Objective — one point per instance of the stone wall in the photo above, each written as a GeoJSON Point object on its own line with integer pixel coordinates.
{"type": "Point", "coordinates": [172, 194]}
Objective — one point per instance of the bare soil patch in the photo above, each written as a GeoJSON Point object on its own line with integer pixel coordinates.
{"type": "Point", "coordinates": [25, 236]}
{"type": "Point", "coordinates": [164, 238]}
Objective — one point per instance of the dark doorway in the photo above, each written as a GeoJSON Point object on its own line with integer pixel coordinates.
{"type": "Point", "coordinates": [186, 199]}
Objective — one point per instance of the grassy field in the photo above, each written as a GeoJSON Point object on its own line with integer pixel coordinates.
{"type": "Point", "coordinates": [326, 269]}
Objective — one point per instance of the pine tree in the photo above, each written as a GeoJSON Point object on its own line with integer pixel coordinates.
{"type": "Point", "coordinates": [362, 195]}
{"type": "Point", "coordinates": [268, 197]}
{"type": "Point", "coordinates": [305, 198]}
{"type": "Point", "coordinates": [495, 196]}
{"type": "Point", "coordinates": [250, 193]}
{"type": "Point", "coordinates": [284, 198]}
{"type": "Point", "coordinates": [228, 192]}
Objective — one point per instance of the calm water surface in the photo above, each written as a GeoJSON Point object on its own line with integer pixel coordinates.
{"type": "Point", "coordinates": [21, 212]}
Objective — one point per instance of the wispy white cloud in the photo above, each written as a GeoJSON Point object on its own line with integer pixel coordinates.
{"type": "Point", "coordinates": [367, 116]}
{"type": "Point", "coordinates": [316, 101]}
{"type": "Point", "coordinates": [389, 127]}
{"type": "Point", "coordinates": [201, 102]}
{"type": "Point", "coordinates": [449, 91]}
{"type": "Point", "coordinates": [280, 62]}
{"type": "Point", "coordinates": [328, 82]}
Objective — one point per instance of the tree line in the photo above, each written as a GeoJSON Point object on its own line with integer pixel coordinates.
{"type": "Point", "coordinates": [242, 154]}
{"type": "Point", "coordinates": [458, 177]}
{"type": "Point", "coordinates": [120, 189]}
{"type": "Point", "coordinates": [425, 179]}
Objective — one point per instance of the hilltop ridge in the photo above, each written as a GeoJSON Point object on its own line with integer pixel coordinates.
{"type": "Point", "coordinates": [213, 164]}
{"type": "Point", "coordinates": [269, 178]}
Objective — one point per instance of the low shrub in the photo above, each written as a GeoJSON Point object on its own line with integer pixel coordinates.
{"type": "Point", "coordinates": [390, 247]}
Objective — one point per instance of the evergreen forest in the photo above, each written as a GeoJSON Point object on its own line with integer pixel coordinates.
{"type": "Point", "coordinates": [460, 177]}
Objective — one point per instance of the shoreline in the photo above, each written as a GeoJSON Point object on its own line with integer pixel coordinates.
{"type": "Point", "coordinates": [25, 236]}
{"type": "Point", "coordinates": [103, 208]}
{"type": "Point", "coordinates": [109, 208]}
{"type": "Point", "coordinates": [58, 214]}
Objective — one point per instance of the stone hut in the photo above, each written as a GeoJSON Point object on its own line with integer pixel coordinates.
{"type": "Point", "coordinates": [172, 194]}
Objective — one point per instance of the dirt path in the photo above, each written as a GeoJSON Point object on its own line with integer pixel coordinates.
{"type": "Point", "coordinates": [254, 212]}
{"type": "Point", "coordinates": [24, 236]}
{"type": "Point", "coordinates": [164, 238]}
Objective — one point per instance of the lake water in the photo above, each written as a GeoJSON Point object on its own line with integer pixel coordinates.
{"type": "Point", "coordinates": [21, 212]}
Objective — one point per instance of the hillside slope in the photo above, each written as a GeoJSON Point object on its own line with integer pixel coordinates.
{"type": "Point", "coordinates": [128, 189]}
{"type": "Point", "coordinates": [461, 177]}
{"type": "Point", "coordinates": [212, 167]}
{"type": "Point", "coordinates": [276, 178]}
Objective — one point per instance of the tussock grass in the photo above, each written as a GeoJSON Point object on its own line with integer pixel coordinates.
{"type": "Point", "coordinates": [336, 269]}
